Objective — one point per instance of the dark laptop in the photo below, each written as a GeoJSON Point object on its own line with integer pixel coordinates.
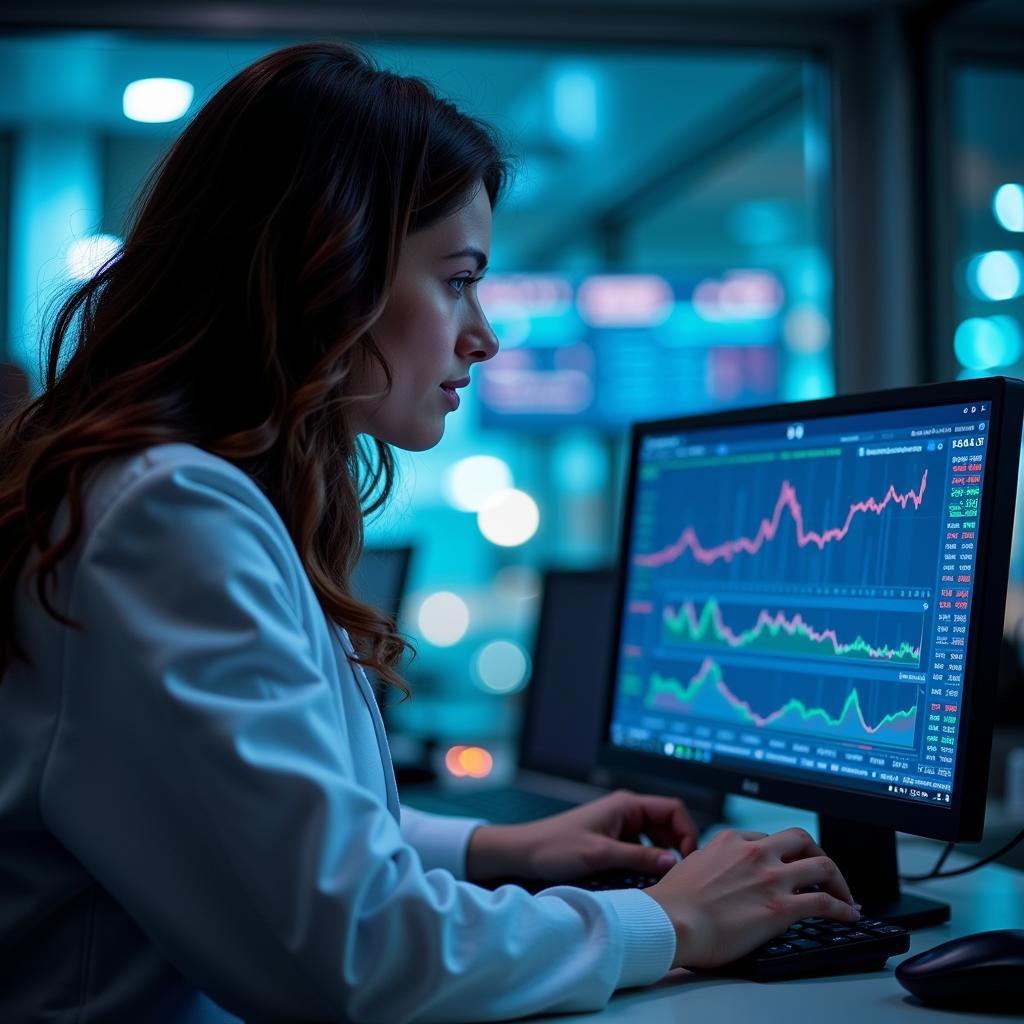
{"type": "Point", "coordinates": [563, 717]}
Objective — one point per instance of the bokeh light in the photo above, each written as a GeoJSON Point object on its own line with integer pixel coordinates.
{"type": "Point", "coordinates": [995, 275]}
{"type": "Point", "coordinates": [443, 618]}
{"type": "Point", "coordinates": [1012, 338]}
{"type": "Point", "coordinates": [471, 482]}
{"type": "Point", "coordinates": [1008, 207]}
{"type": "Point", "coordinates": [806, 329]}
{"type": "Point", "coordinates": [87, 255]}
{"type": "Point", "coordinates": [983, 342]}
{"type": "Point", "coordinates": [509, 518]}
{"type": "Point", "coordinates": [501, 666]}
{"type": "Point", "coordinates": [157, 100]}
{"type": "Point", "coordinates": [476, 762]}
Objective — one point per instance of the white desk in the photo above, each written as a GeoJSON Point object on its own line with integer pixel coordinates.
{"type": "Point", "coordinates": [992, 897]}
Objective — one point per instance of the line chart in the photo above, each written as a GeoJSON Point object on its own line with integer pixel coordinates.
{"type": "Point", "coordinates": [788, 501]}
{"type": "Point", "coordinates": [707, 695]}
{"type": "Point", "coordinates": [775, 633]}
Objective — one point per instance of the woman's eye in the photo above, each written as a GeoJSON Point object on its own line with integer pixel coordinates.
{"type": "Point", "coordinates": [460, 284]}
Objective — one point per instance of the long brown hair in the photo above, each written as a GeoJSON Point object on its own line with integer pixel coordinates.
{"type": "Point", "coordinates": [263, 250]}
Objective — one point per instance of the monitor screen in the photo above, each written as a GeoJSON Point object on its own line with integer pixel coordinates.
{"type": "Point", "coordinates": [797, 596]}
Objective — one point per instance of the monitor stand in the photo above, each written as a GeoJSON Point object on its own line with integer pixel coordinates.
{"type": "Point", "coordinates": [866, 855]}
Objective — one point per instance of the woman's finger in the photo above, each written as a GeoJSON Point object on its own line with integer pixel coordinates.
{"type": "Point", "coordinates": [619, 856]}
{"type": "Point", "coordinates": [818, 904]}
{"type": "Point", "coordinates": [821, 871]}
{"type": "Point", "coordinates": [793, 844]}
{"type": "Point", "coordinates": [668, 822]}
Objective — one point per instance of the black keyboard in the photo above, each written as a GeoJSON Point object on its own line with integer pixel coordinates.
{"type": "Point", "coordinates": [813, 946]}
{"type": "Point", "coordinates": [816, 946]}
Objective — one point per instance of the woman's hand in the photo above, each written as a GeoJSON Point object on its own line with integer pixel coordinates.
{"type": "Point", "coordinates": [598, 836]}
{"type": "Point", "coordinates": [742, 888]}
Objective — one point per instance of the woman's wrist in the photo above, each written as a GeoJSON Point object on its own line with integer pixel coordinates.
{"type": "Point", "coordinates": [683, 927]}
{"type": "Point", "coordinates": [496, 851]}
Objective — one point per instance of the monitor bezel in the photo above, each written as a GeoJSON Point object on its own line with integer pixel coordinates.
{"type": "Point", "coordinates": [963, 817]}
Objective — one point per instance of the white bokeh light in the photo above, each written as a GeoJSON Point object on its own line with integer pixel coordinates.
{"type": "Point", "coordinates": [501, 666]}
{"type": "Point", "coordinates": [509, 518]}
{"type": "Point", "coordinates": [87, 255]}
{"type": "Point", "coordinates": [1008, 206]}
{"type": "Point", "coordinates": [443, 618]}
{"type": "Point", "coordinates": [995, 275]}
{"type": "Point", "coordinates": [157, 100]}
{"type": "Point", "coordinates": [471, 482]}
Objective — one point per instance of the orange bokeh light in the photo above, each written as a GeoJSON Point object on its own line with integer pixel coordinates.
{"type": "Point", "coordinates": [473, 761]}
{"type": "Point", "coordinates": [451, 761]}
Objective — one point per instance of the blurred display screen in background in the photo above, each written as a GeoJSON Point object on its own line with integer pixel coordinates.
{"type": "Point", "coordinates": [606, 349]}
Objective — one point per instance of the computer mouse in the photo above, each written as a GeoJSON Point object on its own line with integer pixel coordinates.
{"type": "Point", "coordinates": [984, 971]}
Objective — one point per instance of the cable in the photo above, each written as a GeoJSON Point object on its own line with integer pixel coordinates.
{"type": "Point", "coordinates": [947, 850]}
{"type": "Point", "coordinates": [937, 873]}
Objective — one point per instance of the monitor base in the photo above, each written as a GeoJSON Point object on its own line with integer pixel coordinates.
{"type": "Point", "coordinates": [866, 855]}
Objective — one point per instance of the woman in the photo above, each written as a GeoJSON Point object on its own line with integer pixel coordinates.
{"type": "Point", "coordinates": [198, 816]}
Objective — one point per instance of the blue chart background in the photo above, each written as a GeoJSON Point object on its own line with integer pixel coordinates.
{"type": "Point", "coordinates": [900, 547]}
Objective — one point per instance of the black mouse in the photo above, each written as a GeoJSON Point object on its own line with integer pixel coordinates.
{"type": "Point", "coordinates": [984, 971]}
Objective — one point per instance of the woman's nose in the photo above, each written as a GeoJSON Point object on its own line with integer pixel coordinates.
{"type": "Point", "coordinates": [478, 341]}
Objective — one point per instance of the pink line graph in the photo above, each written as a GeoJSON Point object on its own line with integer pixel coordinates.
{"type": "Point", "coordinates": [787, 500]}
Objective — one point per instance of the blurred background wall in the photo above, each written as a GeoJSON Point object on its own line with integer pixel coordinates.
{"type": "Point", "coordinates": [714, 205]}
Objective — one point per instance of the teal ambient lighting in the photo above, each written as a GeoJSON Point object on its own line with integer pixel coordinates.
{"type": "Point", "coordinates": [157, 100]}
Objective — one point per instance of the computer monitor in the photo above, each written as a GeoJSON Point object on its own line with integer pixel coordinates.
{"type": "Point", "coordinates": [810, 612]}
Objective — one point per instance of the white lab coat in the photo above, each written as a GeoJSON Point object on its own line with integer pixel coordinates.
{"type": "Point", "coordinates": [198, 814]}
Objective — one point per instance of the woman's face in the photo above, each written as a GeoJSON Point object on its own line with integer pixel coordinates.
{"type": "Point", "coordinates": [432, 329]}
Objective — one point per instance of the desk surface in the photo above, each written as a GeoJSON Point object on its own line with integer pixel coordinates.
{"type": "Point", "coordinates": [992, 897]}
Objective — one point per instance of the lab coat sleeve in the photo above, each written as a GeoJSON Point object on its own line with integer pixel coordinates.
{"type": "Point", "coordinates": [200, 771]}
{"type": "Point", "coordinates": [440, 841]}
